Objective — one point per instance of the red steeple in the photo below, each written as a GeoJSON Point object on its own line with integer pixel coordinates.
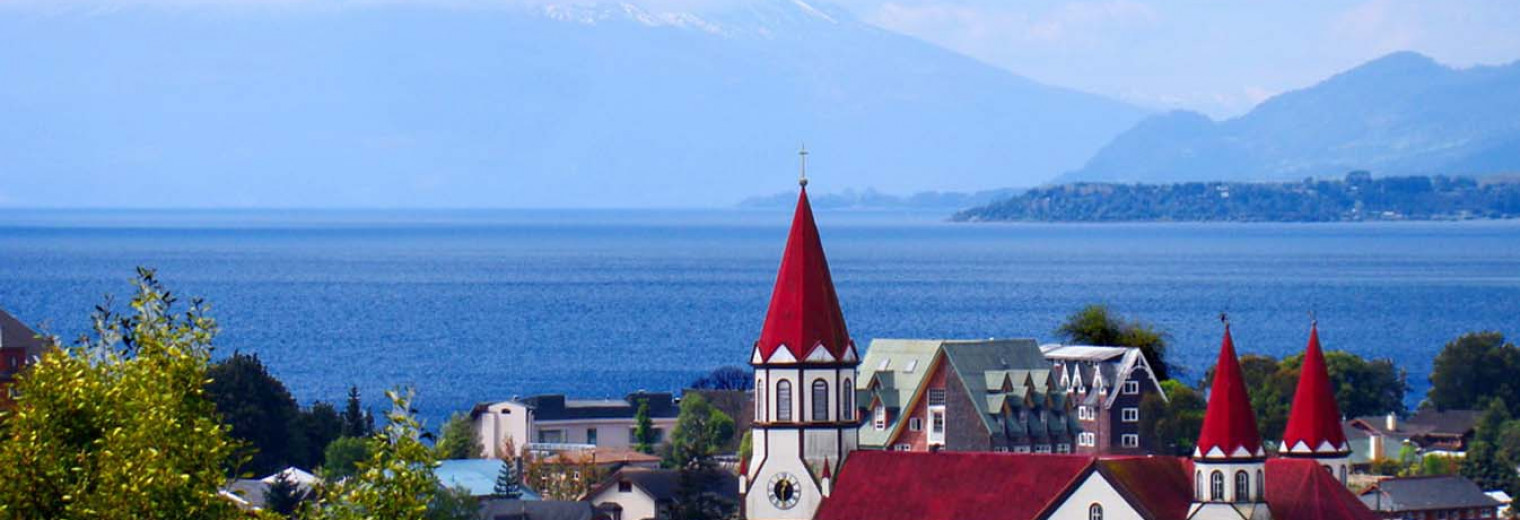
{"type": "Point", "coordinates": [1229, 425]}
{"type": "Point", "coordinates": [804, 310]}
{"type": "Point", "coordinates": [1314, 423]}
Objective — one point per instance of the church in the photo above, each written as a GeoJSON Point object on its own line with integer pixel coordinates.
{"type": "Point", "coordinates": [805, 462]}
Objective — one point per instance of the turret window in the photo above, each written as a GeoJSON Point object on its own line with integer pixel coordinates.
{"type": "Point", "coordinates": [760, 400]}
{"type": "Point", "coordinates": [1095, 512]}
{"type": "Point", "coordinates": [1242, 486]}
{"type": "Point", "coordinates": [1261, 486]}
{"type": "Point", "coordinates": [784, 401]}
{"type": "Point", "coordinates": [847, 397]}
{"type": "Point", "coordinates": [820, 401]}
{"type": "Point", "coordinates": [1216, 486]}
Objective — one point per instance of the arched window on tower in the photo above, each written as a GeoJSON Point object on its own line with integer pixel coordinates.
{"type": "Point", "coordinates": [820, 401]}
{"type": "Point", "coordinates": [1261, 487]}
{"type": "Point", "coordinates": [1216, 486]}
{"type": "Point", "coordinates": [1198, 485]}
{"type": "Point", "coordinates": [1242, 486]}
{"type": "Point", "coordinates": [1343, 475]}
{"type": "Point", "coordinates": [847, 400]}
{"type": "Point", "coordinates": [1095, 512]}
{"type": "Point", "coordinates": [784, 401]}
{"type": "Point", "coordinates": [760, 400]}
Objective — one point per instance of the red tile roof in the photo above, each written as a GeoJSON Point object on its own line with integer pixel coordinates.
{"type": "Point", "coordinates": [1230, 422]}
{"type": "Point", "coordinates": [1315, 420]}
{"type": "Point", "coordinates": [999, 486]}
{"type": "Point", "coordinates": [804, 311]}
{"type": "Point", "coordinates": [882, 485]}
{"type": "Point", "coordinates": [1158, 486]}
{"type": "Point", "coordinates": [1300, 489]}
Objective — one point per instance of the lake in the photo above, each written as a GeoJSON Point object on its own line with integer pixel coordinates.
{"type": "Point", "coordinates": [470, 306]}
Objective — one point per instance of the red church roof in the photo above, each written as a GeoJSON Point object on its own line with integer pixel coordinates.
{"type": "Point", "coordinates": [804, 311]}
{"type": "Point", "coordinates": [1301, 489]}
{"type": "Point", "coordinates": [1314, 423]}
{"type": "Point", "coordinates": [890, 485]}
{"type": "Point", "coordinates": [1229, 425]}
{"type": "Point", "coordinates": [885, 485]}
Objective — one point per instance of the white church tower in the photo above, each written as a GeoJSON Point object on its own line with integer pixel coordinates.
{"type": "Point", "coordinates": [1229, 464]}
{"type": "Point", "coordinates": [805, 368]}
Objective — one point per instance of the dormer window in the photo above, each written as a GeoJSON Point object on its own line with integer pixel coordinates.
{"type": "Point", "coordinates": [879, 418]}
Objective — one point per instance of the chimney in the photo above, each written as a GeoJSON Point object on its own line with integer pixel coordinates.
{"type": "Point", "coordinates": [1392, 422]}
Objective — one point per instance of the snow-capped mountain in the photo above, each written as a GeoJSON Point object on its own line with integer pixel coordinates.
{"type": "Point", "coordinates": [527, 103]}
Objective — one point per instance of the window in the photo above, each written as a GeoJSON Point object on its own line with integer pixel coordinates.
{"type": "Point", "coordinates": [760, 400]}
{"type": "Point", "coordinates": [625, 486]}
{"type": "Point", "coordinates": [1131, 415]}
{"type": "Point", "coordinates": [1198, 485]}
{"type": "Point", "coordinates": [1095, 512]}
{"type": "Point", "coordinates": [1131, 387]}
{"type": "Point", "coordinates": [1343, 475]}
{"type": "Point", "coordinates": [1216, 486]}
{"type": "Point", "coordinates": [1130, 440]}
{"type": "Point", "coordinates": [903, 447]}
{"type": "Point", "coordinates": [1021, 449]}
{"type": "Point", "coordinates": [936, 397]}
{"type": "Point", "coordinates": [591, 436]}
{"type": "Point", "coordinates": [1242, 486]}
{"type": "Point", "coordinates": [915, 424]}
{"type": "Point", "coordinates": [784, 401]}
{"type": "Point", "coordinates": [1261, 490]}
{"type": "Point", "coordinates": [1063, 448]}
{"type": "Point", "coordinates": [1087, 439]}
{"type": "Point", "coordinates": [1084, 413]}
{"type": "Point", "coordinates": [938, 421]}
{"type": "Point", "coordinates": [1043, 448]}
{"type": "Point", "coordinates": [820, 401]}
{"type": "Point", "coordinates": [912, 365]}
{"type": "Point", "coordinates": [847, 408]}
{"type": "Point", "coordinates": [880, 419]}
{"type": "Point", "coordinates": [1000, 449]}
{"type": "Point", "coordinates": [551, 436]}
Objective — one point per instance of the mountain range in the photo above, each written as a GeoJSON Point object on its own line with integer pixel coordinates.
{"type": "Point", "coordinates": [517, 104]}
{"type": "Point", "coordinates": [1402, 114]}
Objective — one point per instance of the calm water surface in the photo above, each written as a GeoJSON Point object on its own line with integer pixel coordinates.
{"type": "Point", "coordinates": [478, 305]}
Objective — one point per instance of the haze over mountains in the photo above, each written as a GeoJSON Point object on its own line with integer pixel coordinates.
{"type": "Point", "coordinates": [1402, 114]}
{"type": "Point", "coordinates": [545, 105]}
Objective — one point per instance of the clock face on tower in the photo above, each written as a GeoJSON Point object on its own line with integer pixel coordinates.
{"type": "Point", "coordinates": [784, 490]}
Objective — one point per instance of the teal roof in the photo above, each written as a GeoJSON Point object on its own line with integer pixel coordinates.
{"type": "Point", "coordinates": [476, 475]}
{"type": "Point", "coordinates": [888, 361]}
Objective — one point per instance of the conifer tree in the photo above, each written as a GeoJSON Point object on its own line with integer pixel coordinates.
{"type": "Point", "coordinates": [284, 496]}
{"type": "Point", "coordinates": [643, 429]}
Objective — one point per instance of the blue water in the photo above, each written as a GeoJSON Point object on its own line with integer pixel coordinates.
{"type": "Point", "coordinates": [469, 306]}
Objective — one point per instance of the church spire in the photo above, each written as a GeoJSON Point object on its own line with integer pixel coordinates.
{"type": "Point", "coordinates": [1229, 424]}
{"type": "Point", "coordinates": [804, 310]}
{"type": "Point", "coordinates": [1314, 423]}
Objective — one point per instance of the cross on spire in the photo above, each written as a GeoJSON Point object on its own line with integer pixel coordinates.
{"type": "Point", "coordinates": [802, 175]}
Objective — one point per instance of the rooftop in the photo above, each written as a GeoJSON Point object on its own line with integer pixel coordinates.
{"type": "Point", "coordinates": [1425, 493]}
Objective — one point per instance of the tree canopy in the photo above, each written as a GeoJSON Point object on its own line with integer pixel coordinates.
{"type": "Point", "coordinates": [118, 424]}
{"type": "Point", "coordinates": [1362, 387]}
{"type": "Point", "coordinates": [1098, 325]}
{"type": "Point", "coordinates": [457, 439]}
{"type": "Point", "coordinates": [1473, 369]}
{"type": "Point", "coordinates": [259, 409]}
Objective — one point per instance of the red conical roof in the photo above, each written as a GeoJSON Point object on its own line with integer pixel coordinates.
{"type": "Point", "coordinates": [1229, 425]}
{"type": "Point", "coordinates": [804, 310]}
{"type": "Point", "coordinates": [1314, 423]}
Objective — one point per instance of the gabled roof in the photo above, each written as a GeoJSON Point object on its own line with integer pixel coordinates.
{"type": "Point", "coordinates": [1112, 364]}
{"type": "Point", "coordinates": [662, 484]}
{"type": "Point", "coordinates": [883, 485]}
{"type": "Point", "coordinates": [14, 334]}
{"type": "Point", "coordinates": [1314, 423]}
{"type": "Point", "coordinates": [1300, 489]}
{"type": "Point", "coordinates": [1424, 422]}
{"type": "Point", "coordinates": [1006, 486]}
{"type": "Point", "coordinates": [554, 407]}
{"type": "Point", "coordinates": [885, 361]}
{"type": "Point", "coordinates": [804, 310]}
{"type": "Point", "coordinates": [1018, 359]}
{"type": "Point", "coordinates": [1229, 424]}
{"type": "Point", "coordinates": [1426, 493]}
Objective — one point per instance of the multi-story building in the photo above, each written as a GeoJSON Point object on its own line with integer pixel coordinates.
{"type": "Point", "coordinates": [1106, 385]}
{"type": "Point", "coordinates": [554, 423]}
{"type": "Point", "coordinates": [962, 395]}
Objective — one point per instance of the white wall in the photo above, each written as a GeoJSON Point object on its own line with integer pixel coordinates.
{"type": "Point", "coordinates": [636, 504]}
{"type": "Point", "coordinates": [1095, 490]}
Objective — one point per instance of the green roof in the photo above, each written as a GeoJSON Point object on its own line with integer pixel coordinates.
{"type": "Point", "coordinates": [888, 361]}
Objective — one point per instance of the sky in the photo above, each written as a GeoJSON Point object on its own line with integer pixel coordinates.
{"type": "Point", "coordinates": [1217, 57]}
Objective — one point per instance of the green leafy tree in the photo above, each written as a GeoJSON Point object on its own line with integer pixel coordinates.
{"type": "Point", "coordinates": [259, 409]}
{"type": "Point", "coordinates": [284, 496]}
{"type": "Point", "coordinates": [1172, 425]}
{"type": "Point", "coordinates": [1474, 368]}
{"type": "Point", "coordinates": [118, 424]}
{"type": "Point", "coordinates": [643, 429]}
{"type": "Point", "coordinates": [701, 430]}
{"type": "Point", "coordinates": [458, 439]}
{"type": "Point", "coordinates": [1098, 325]}
{"type": "Point", "coordinates": [1486, 463]}
{"type": "Point", "coordinates": [453, 503]}
{"type": "Point", "coordinates": [395, 480]}
{"type": "Point", "coordinates": [746, 448]}
{"type": "Point", "coordinates": [342, 457]}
